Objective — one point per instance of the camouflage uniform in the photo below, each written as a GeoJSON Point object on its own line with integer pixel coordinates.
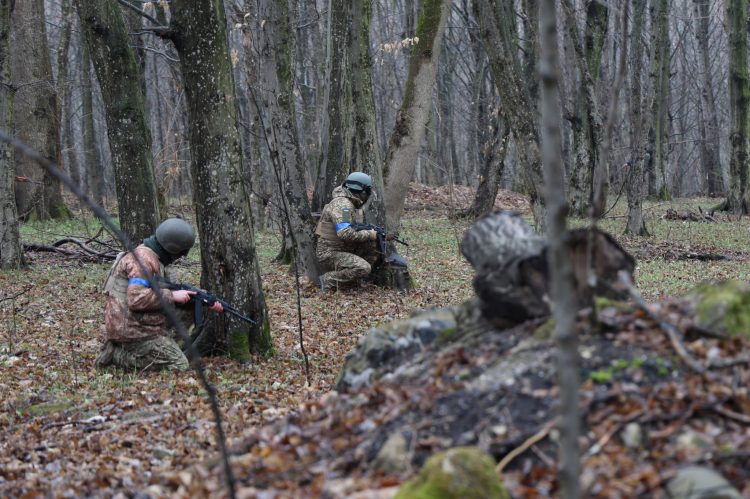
{"type": "Point", "coordinates": [137, 335]}
{"type": "Point", "coordinates": [345, 254]}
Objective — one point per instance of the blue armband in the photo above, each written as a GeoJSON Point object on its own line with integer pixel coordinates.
{"type": "Point", "coordinates": [342, 226]}
{"type": "Point", "coordinates": [138, 281]}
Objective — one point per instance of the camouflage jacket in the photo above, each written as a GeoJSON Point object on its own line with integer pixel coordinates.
{"type": "Point", "coordinates": [334, 228]}
{"type": "Point", "coordinates": [133, 312]}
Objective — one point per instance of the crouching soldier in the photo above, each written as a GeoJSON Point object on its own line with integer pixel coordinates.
{"type": "Point", "coordinates": [346, 255]}
{"type": "Point", "coordinates": [136, 329]}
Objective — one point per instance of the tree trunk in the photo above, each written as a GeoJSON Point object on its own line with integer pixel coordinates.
{"type": "Point", "coordinates": [229, 263]}
{"type": "Point", "coordinates": [499, 35]}
{"type": "Point", "coordinates": [116, 68]}
{"type": "Point", "coordinates": [586, 121]}
{"type": "Point", "coordinates": [636, 225]}
{"type": "Point", "coordinates": [35, 103]}
{"type": "Point", "coordinates": [275, 100]}
{"type": "Point", "coordinates": [709, 126]}
{"type": "Point", "coordinates": [94, 174]}
{"type": "Point", "coordinates": [11, 254]}
{"type": "Point", "coordinates": [738, 200]}
{"type": "Point", "coordinates": [493, 148]}
{"type": "Point", "coordinates": [658, 134]}
{"type": "Point", "coordinates": [562, 286]}
{"type": "Point", "coordinates": [411, 120]}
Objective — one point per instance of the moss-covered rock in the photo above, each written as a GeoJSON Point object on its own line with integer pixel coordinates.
{"type": "Point", "coordinates": [723, 307]}
{"type": "Point", "coordinates": [458, 473]}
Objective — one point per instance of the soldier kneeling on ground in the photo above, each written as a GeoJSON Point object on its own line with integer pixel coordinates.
{"type": "Point", "coordinates": [345, 254]}
{"type": "Point", "coordinates": [136, 329]}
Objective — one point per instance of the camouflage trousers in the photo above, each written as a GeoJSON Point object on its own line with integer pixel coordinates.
{"type": "Point", "coordinates": [154, 354]}
{"type": "Point", "coordinates": [344, 268]}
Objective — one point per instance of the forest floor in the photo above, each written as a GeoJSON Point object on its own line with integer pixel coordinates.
{"type": "Point", "coordinates": [70, 430]}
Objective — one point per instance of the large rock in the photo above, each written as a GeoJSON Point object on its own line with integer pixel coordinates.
{"type": "Point", "coordinates": [459, 473]}
{"type": "Point", "coordinates": [723, 307]}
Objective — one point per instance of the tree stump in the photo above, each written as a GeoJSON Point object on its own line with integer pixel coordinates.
{"type": "Point", "coordinates": [512, 276]}
{"type": "Point", "coordinates": [392, 273]}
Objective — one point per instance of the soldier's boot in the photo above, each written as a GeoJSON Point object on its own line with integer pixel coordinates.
{"type": "Point", "coordinates": [106, 355]}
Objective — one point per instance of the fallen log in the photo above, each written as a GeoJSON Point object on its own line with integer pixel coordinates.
{"type": "Point", "coordinates": [512, 276]}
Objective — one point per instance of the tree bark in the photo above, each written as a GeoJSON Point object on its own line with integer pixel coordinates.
{"type": "Point", "coordinates": [586, 120]}
{"type": "Point", "coordinates": [636, 225]}
{"type": "Point", "coordinates": [738, 200]}
{"type": "Point", "coordinates": [35, 103]}
{"type": "Point", "coordinates": [94, 174]}
{"type": "Point", "coordinates": [11, 253]}
{"type": "Point", "coordinates": [116, 68]}
{"type": "Point", "coordinates": [658, 134]}
{"type": "Point", "coordinates": [710, 143]}
{"type": "Point", "coordinates": [229, 263]}
{"type": "Point", "coordinates": [499, 35]}
{"type": "Point", "coordinates": [409, 130]}
{"type": "Point", "coordinates": [275, 100]}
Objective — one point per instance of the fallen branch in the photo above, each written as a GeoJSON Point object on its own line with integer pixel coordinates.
{"type": "Point", "coordinates": [729, 414]}
{"type": "Point", "coordinates": [604, 440]}
{"type": "Point", "coordinates": [533, 440]}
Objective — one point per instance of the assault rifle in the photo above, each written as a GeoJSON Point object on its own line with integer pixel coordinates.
{"type": "Point", "coordinates": [389, 257]}
{"type": "Point", "coordinates": [201, 298]}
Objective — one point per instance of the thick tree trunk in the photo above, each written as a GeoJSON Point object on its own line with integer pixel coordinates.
{"type": "Point", "coordinates": [127, 126]}
{"type": "Point", "coordinates": [35, 103]}
{"type": "Point", "coordinates": [658, 134]}
{"type": "Point", "coordinates": [411, 120]}
{"type": "Point", "coordinates": [11, 253]}
{"type": "Point", "coordinates": [275, 99]}
{"type": "Point", "coordinates": [635, 178]}
{"type": "Point", "coordinates": [738, 200]}
{"type": "Point", "coordinates": [710, 143]}
{"type": "Point", "coordinates": [229, 262]}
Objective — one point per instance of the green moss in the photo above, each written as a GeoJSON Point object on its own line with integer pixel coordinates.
{"type": "Point", "coordinates": [462, 472]}
{"type": "Point", "coordinates": [724, 307]}
{"type": "Point", "coordinates": [545, 331]}
{"type": "Point", "coordinates": [239, 345]}
{"type": "Point", "coordinates": [602, 376]}
{"type": "Point", "coordinates": [447, 335]}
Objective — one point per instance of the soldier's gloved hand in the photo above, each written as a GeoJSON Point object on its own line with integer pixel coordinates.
{"type": "Point", "coordinates": [390, 237]}
{"type": "Point", "coordinates": [182, 295]}
{"type": "Point", "coordinates": [216, 307]}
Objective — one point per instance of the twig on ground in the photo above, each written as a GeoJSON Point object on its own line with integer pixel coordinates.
{"type": "Point", "coordinates": [604, 440]}
{"type": "Point", "coordinates": [532, 440]}
{"type": "Point", "coordinates": [729, 414]}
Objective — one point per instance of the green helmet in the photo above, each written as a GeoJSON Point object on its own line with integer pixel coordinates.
{"type": "Point", "coordinates": [176, 236]}
{"type": "Point", "coordinates": [358, 181]}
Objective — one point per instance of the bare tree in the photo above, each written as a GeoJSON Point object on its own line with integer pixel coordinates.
{"type": "Point", "coordinates": [658, 132]}
{"type": "Point", "coordinates": [409, 129]}
{"type": "Point", "coordinates": [561, 271]}
{"type": "Point", "coordinates": [635, 176]}
{"type": "Point", "coordinates": [274, 98]}
{"type": "Point", "coordinates": [229, 262]}
{"type": "Point", "coordinates": [709, 126]}
{"type": "Point", "coordinates": [738, 200]}
{"type": "Point", "coordinates": [129, 136]}
{"type": "Point", "coordinates": [35, 103]}
{"type": "Point", "coordinates": [11, 255]}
